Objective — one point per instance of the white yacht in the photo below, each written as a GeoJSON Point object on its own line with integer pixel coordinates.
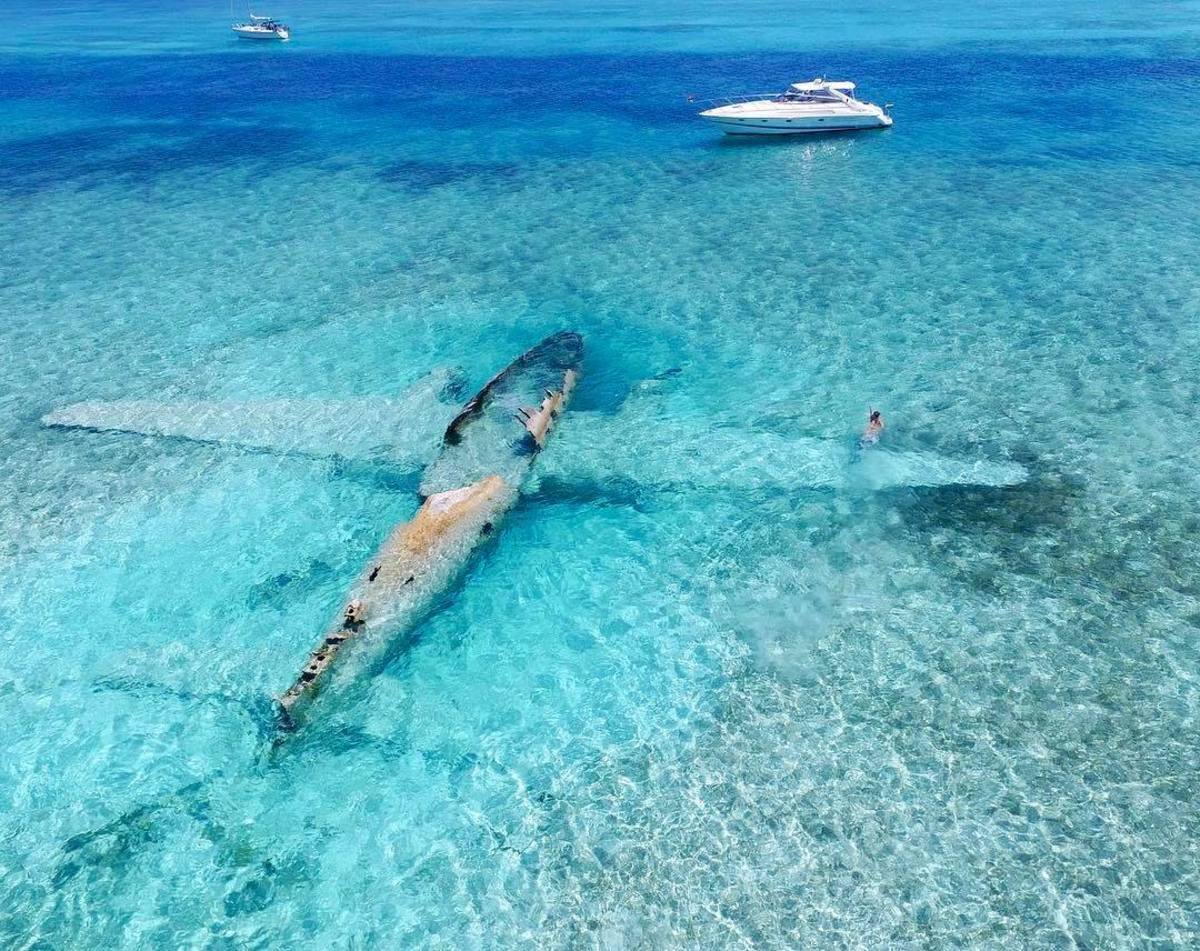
{"type": "Point", "coordinates": [262, 28]}
{"type": "Point", "coordinates": [818, 106]}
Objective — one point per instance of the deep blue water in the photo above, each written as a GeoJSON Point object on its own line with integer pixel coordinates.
{"type": "Point", "coordinates": [715, 683]}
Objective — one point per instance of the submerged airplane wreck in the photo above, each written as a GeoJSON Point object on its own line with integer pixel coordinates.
{"type": "Point", "coordinates": [481, 454]}
{"type": "Point", "coordinates": [467, 489]}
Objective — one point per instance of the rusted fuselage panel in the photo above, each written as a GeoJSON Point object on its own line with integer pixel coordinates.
{"type": "Point", "coordinates": [537, 422]}
{"type": "Point", "coordinates": [417, 561]}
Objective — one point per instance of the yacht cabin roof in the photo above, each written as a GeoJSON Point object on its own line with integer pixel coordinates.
{"type": "Point", "coordinates": [819, 84]}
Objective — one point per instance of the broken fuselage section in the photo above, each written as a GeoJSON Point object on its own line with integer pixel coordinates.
{"type": "Point", "coordinates": [467, 490]}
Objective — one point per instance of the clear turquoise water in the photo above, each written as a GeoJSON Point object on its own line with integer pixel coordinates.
{"type": "Point", "coordinates": [651, 715]}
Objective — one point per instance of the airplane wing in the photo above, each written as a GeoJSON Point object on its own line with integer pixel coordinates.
{"type": "Point", "coordinates": [641, 443]}
{"type": "Point", "coordinates": [404, 430]}
{"type": "Point", "coordinates": [664, 454]}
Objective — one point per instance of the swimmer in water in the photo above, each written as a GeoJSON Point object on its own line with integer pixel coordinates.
{"type": "Point", "coordinates": [874, 428]}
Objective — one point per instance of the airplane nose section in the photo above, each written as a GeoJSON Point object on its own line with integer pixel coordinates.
{"type": "Point", "coordinates": [560, 351]}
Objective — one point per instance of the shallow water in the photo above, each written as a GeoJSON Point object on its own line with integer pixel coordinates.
{"type": "Point", "coordinates": [668, 712]}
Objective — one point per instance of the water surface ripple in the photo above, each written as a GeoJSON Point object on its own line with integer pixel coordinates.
{"type": "Point", "coordinates": [705, 709]}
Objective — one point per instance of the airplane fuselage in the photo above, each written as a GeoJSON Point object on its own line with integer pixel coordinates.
{"type": "Point", "coordinates": [486, 451]}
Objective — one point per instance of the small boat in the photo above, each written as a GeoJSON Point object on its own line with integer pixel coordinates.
{"type": "Point", "coordinates": [262, 28]}
{"type": "Point", "coordinates": [817, 106]}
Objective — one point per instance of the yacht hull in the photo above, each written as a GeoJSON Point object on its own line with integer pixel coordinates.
{"type": "Point", "coordinates": [261, 34]}
{"type": "Point", "coordinates": [748, 125]}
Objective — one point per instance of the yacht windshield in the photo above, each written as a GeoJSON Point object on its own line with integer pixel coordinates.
{"type": "Point", "coordinates": [820, 95]}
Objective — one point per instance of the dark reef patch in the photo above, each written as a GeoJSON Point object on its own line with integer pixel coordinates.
{"type": "Point", "coordinates": [424, 176]}
{"type": "Point", "coordinates": [138, 153]}
{"type": "Point", "coordinates": [1044, 533]}
{"type": "Point", "coordinates": [278, 590]}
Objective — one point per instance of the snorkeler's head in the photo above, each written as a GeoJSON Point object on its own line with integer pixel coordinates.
{"type": "Point", "coordinates": [874, 415]}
